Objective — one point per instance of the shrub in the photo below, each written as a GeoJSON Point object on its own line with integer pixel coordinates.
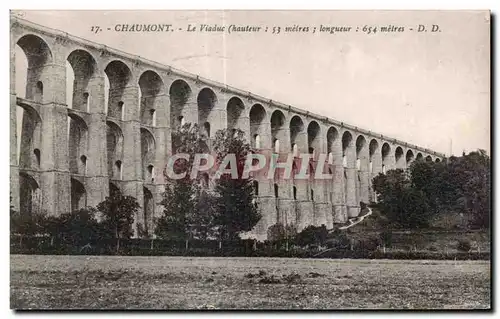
{"type": "Point", "coordinates": [386, 238]}
{"type": "Point", "coordinates": [312, 235]}
{"type": "Point", "coordinates": [464, 245]}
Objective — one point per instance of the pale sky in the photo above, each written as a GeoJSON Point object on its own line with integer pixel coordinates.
{"type": "Point", "coordinates": [422, 88]}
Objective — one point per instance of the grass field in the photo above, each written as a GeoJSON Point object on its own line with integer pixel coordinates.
{"type": "Point", "coordinates": [109, 282]}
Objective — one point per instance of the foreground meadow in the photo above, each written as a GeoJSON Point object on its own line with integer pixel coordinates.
{"type": "Point", "coordinates": [119, 282]}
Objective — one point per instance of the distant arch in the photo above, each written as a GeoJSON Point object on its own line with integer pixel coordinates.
{"type": "Point", "coordinates": [361, 160]}
{"type": "Point", "coordinates": [206, 103]}
{"type": "Point", "coordinates": [119, 77]}
{"type": "Point", "coordinates": [151, 88]}
{"type": "Point", "coordinates": [331, 138]}
{"type": "Point", "coordinates": [278, 130]}
{"type": "Point", "coordinates": [114, 143]}
{"type": "Point", "coordinates": [29, 138]}
{"type": "Point", "coordinates": [314, 137]}
{"type": "Point", "coordinates": [386, 150]}
{"type": "Point", "coordinates": [180, 93]}
{"type": "Point", "coordinates": [147, 152]}
{"type": "Point", "coordinates": [348, 155]}
{"type": "Point", "coordinates": [410, 157]}
{"type": "Point", "coordinates": [235, 109]}
{"type": "Point", "coordinates": [373, 149]}
{"type": "Point", "coordinates": [81, 67]}
{"type": "Point", "coordinates": [400, 162]}
{"type": "Point", "coordinates": [258, 117]}
{"type": "Point", "coordinates": [296, 132]}
{"type": "Point", "coordinates": [77, 143]}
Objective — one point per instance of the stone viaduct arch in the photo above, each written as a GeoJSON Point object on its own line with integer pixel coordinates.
{"type": "Point", "coordinates": [110, 127]}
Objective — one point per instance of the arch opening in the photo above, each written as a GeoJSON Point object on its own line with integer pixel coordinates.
{"type": "Point", "coordinates": [118, 75]}
{"type": "Point", "coordinates": [386, 149]}
{"type": "Point", "coordinates": [313, 138]}
{"type": "Point", "coordinates": [114, 142]}
{"type": "Point", "coordinates": [29, 195]}
{"type": "Point", "coordinates": [147, 152]}
{"type": "Point", "coordinates": [80, 80]}
{"type": "Point", "coordinates": [180, 93]}
{"type": "Point", "coordinates": [257, 124]}
{"type": "Point", "coordinates": [78, 195]}
{"type": "Point", "coordinates": [297, 134]}
{"type": "Point", "coordinates": [373, 149]}
{"type": "Point", "coordinates": [77, 143]}
{"type": "Point", "coordinates": [29, 138]}
{"type": "Point", "coordinates": [206, 103]}
{"type": "Point", "coordinates": [361, 158]}
{"type": "Point", "coordinates": [151, 89]}
{"type": "Point", "coordinates": [409, 158]}
{"type": "Point", "coordinates": [278, 130]}
{"type": "Point", "coordinates": [331, 138]}
{"type": "Point", "coordinates": [234, 110]}
{"type": "Point", "coordinates": [348, 156]}
{"type": "Point", "coordinates": [32, 54]}
{"type": "Point", "coordinates": [400, 162]}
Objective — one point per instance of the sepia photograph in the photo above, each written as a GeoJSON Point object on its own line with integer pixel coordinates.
{"type": "Point", "coordinates": [250, 160]}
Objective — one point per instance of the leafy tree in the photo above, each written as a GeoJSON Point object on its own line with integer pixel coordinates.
{"type": "Point", "coordinates": [118, 213]}
{"type": "Point", "coordinates": [184, 214]}
{"type": "Point", "coordinates": [404, 206]}
{"type": "Point", "coordinates": [188, 140]}
{"type": "Point", "coordinates": [473, 183]}
{"type": "Point", "coordinates": [180, 208]}
{"type": "Point", "coordinates": [236, 209]}
{"type": "Point", "coordinates": [459, 184]}
{"type": "Point", "coordinates": [204, 227]}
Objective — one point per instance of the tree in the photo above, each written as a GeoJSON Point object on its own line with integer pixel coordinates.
{"type": "Point", "coordinates": [183, 216]}
{"type": "Point", "coordinates": [188, 140]}
{"type": "Point", "coordinates": [404, 205]}
{"type": "Point", "coordinates": [459, 184]}
{"type": "Point", "coordinates": [472, 181]}
{"type": "Point", "coordinates": [118, 213]}
{"type": "Point", "coordinates": [236, 209]}
{"type": "Point", "coordinates": [179, 202]}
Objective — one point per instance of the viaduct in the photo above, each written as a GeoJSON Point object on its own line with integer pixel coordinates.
{"type": "Point", "coordinates": [116, 133]}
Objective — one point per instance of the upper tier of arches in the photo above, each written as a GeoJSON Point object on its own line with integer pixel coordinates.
{"type": "Point", "coordinates": [132, 89]}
